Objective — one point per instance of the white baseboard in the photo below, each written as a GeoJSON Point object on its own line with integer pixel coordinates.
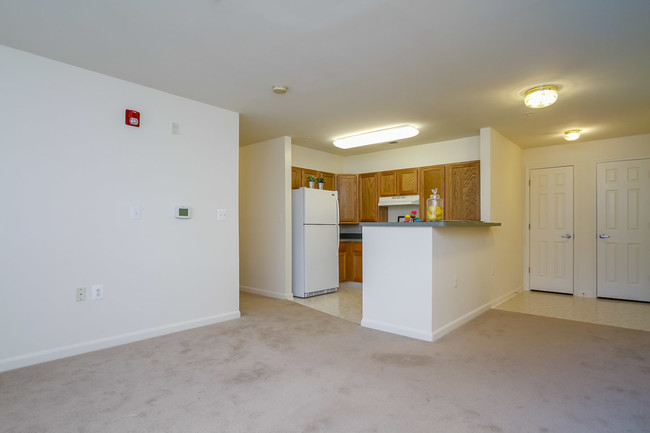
{"type": "Point", "coordinates": [471, 315]}
{"type": "Point", "coordinates": [104, 343]}
{"type": "Point", "coordinates": [395, 329]}
{"type": "Point", "coordinates": [265, 292]}
{"type": "Point", "coordinates": [436, 334]}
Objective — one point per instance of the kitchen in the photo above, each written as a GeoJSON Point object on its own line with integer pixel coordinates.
{"type": "Point", "coordinates": [265, 234]}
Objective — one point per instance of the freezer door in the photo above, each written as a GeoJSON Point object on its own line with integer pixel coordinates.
{"type": "Point", "coordinates": [321, 257]}
{"type": "Point", "coordinates": [321, 206]}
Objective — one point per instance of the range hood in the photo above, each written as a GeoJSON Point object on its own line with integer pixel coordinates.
{"type": "Point", "coordinates": [399, 200]}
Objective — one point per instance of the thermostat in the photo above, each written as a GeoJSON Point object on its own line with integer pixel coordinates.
{"type": "Point", "coordinates": [183, 212]}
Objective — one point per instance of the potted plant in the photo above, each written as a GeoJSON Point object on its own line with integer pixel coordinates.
{"type": "Point", "coordinates": [312, 180]}
{"type": "Point", "coordinates": [321, 182]}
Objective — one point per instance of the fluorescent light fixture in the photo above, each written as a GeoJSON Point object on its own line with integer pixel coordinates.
{"type": "Point", "coordinates": [572, 134]}
{"type": "Point", "coordinates": [374, 137]}
{"type": "Point", "coordinates": [540, 96]}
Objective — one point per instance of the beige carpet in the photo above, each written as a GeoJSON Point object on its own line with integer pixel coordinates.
{"type": "Point", "coordinates": [283, 367]}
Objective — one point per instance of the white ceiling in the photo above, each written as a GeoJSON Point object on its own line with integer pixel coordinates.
{"type": "Point", "coordinates": [446, 67]}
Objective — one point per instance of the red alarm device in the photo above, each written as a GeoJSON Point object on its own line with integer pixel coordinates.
{"type": "Point", "coordinates": [132, 118]}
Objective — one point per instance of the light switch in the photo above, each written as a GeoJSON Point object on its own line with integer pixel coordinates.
{"type": "Point", "coordinates": [135, 212]}
{"type": "Point", "coordinates": [221, 214]}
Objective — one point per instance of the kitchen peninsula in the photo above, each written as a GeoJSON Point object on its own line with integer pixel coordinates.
{"type": "Point", "coordinates": [424, 279]}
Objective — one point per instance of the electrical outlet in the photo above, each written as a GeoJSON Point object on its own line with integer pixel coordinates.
{"type": "Point", "coordinates": [222, 214]}
{"type": "Point", "coordinates": [97, 292]}
{"type": "Point", "coordinates": [81, 294]}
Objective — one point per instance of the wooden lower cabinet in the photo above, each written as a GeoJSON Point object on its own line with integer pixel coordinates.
{"type": "Point", "coordinates": [350, 262]}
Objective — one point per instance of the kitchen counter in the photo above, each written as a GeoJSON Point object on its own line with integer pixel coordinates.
{"type": "Point", "coordinates": [422, 280]}
{"type": "Point", "coordinates": [452, 223]}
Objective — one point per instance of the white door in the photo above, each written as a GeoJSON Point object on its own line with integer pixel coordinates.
{"type": "Point", "coordinates": [551, 229]}
{"type": "Point", "coordinates": [321, 206]}
{"type": "Point", "coordinates": [623, 224]}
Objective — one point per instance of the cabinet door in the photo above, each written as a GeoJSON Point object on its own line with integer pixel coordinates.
{"type": "Point", "coordinates": [296, 177]}
{"type": "Point", "coordinates": [343, 260]}
{"type": "Point", "coordinates": [347, 187]}
{"type": "Point", "coordinates": [329, 180]}
{"type": "Point", "coordinates": [387, 183]}
{"type": "Point", "coordinates": [431, 177]}
{"type": "Point", "coordinates": [368, 197]}
{"type": "Point", "coordinates": [407, 181]}
{"type": "Point", "coordinates": [307, 172]}
{"type": "Point", "coordinates": [463, 191]}
{"type": "Point", "coordinates": [355, 260]}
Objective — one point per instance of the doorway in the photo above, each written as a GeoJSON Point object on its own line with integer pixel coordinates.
{"type": "Point", "coordinates": [551, 229]}
{"type": "Point", "coordinates": [623, 224]}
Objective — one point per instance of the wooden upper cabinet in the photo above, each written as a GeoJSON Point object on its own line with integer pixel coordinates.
{"type": "Point", "coordinates": [299, 178]}
{"type": "Point", "coordinates": [387, 183]}
{"type": "Point", "coordinates": [398, 182]}
{"type": "Point", "coordinates": [307, 172]}
{"type": "Point", "coordinates": [368, 197]}
{"type": "Point", "coordinates": [296, 177]}
{"type": "Point", "coordinates": [407, 181]}
{"type": "Point", "coordinates": [462, 191]}
{"type": "Point", "coordinates": [329, 185]}
{"type": "Point", "coordinates": [348, 190]}
{"type": "Point", "coordinates": [431, 177]}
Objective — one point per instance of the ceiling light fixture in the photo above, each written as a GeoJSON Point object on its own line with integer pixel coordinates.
{"type": "Point", "coordinates": [540, 96]}
{"type": "Point", "coordinates": [280, 89]}
{"type": "Point", "coordinates": [572, 134]}
{"type": "Point", "coordinates": [374, 137]}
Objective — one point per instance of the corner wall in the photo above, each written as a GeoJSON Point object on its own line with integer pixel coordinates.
{"type": "Point", "coordinates": [70, 170]}
{"type": "Point", "coordinates": [265, 226]}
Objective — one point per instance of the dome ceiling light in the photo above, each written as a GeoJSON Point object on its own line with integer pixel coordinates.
{"type": "Point", "coordinates": [541, 96]}
{"type": "Point", "coordinates": [279, 89]}
{"type": "Point", "coordinates": [572, 134]}
{"type": "Point", "coordinates": [374, 137]}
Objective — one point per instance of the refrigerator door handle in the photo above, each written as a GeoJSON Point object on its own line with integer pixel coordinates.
{"type": "Point", "coordinates": [338, 228]}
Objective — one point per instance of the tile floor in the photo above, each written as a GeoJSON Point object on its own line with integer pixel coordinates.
{"type": "Point", "coordinates": [346, 303]}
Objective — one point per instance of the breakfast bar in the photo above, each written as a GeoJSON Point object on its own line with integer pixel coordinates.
{"type": "Point", "coordinates": [424, 279]}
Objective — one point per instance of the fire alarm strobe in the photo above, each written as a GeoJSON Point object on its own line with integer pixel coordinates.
{"type": "Point", "coordinates": [132, 118]}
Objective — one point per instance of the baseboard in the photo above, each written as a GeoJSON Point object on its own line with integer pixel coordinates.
{"type": "Point", "coordinates": [394, 329]}
{"type": "Point", "coordinates": [443, 330]}
{"type": "Point", "coordinates": [433, 336]}
{"type": "Point", "coordinates": [264, 292]}
{"type": "Point", "coordinates": [104, 343]}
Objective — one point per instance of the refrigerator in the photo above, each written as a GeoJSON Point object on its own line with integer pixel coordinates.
{"type": "Point", "coordinates": [315, 241]}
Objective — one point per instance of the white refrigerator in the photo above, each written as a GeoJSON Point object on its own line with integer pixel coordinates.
{"type": "Point", "coordinates": [315, 241]}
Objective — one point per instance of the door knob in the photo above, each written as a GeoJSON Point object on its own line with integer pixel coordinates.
{"type": "Point", "coordinates": [603, 236]}
{"type": "Point", "coordinates": [567, 236]}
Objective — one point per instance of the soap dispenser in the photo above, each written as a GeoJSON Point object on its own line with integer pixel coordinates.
{"type": "Point", "coordinates": [434, 206]}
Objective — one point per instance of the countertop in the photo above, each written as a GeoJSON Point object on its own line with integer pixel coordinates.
{"type": "Point", "coordinates": [456, 223]}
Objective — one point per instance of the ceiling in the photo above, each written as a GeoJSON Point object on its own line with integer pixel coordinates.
{"type": "Point", "coordinates": [446, 67]}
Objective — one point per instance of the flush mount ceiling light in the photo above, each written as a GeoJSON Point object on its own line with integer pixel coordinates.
{"type": "Point", "coordinates": [540, 96]}
{"type": "Point", "coordinates": [572, 134]}
{"type": "Point", "coordinates": [374, 137]}
{"type": "Point", "coordinates": [279, 89]}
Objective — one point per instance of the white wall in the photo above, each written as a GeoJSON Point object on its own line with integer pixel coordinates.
{"type": "Point", "coordinates": [443, 152]}
{"type": "Point", "coordinates": [69, 171]}
{"type": "Point", "coordinates": [583, 156]}
{"type": "Point", "coordinates": [317, 160]}
{"type": "Point", "coordinates": [265, 209]}
{"type": "Point", "coordinates": [505, 192]}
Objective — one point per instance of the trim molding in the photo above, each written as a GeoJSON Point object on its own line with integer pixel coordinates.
{"type": "Point", "coordinates": [265, 292]}
{"type": "Point", "coordinates": [117, 340]}
{"type": "Point", "coordinates": [443, 330]}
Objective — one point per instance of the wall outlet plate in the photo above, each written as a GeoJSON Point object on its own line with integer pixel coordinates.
{"type": "Point", "coordinates": [81, 294]}
{"type": "Point", "coordinates": [97, 292]}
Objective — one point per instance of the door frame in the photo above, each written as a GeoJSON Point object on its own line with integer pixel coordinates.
{"type": "Point", "coordinates": [526, 227]}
